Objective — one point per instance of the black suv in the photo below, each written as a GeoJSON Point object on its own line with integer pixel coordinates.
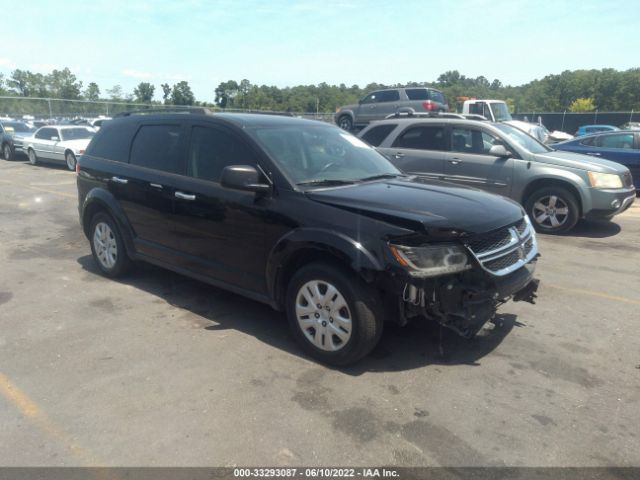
{"type": "Point", "coordinates": [305, 217]}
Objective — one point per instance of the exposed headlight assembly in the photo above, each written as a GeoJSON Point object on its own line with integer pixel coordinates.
{"type": "Point", "coordinates": [431, 260]}
{"type": "Point", "coordinates": [604, 180]}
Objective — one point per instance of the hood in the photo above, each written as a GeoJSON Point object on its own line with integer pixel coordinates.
{"type": "Point", "coordinates": [577, 160]}
{"type": "Point", "coordinates": [424, 204]}
{"type": "Point", "coordinates": [80, 144]}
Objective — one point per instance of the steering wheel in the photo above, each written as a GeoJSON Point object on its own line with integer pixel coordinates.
{"type": "Point", "coordinates": [328, 166]}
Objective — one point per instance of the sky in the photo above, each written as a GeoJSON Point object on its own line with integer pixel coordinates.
{"type": "Point", "coordinates": [287, 42]}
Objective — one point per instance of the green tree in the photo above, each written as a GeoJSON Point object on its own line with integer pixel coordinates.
{"type": "Point", "coordinates": [166, 93]}
{"type": "Point", "coordinates": [143, 93]}
{"type": "Point", "coordinates": [115, 93]}
{"type": "Point", "coordinates": [181, 94]}
{"type": "Point", "coordinates": [92, 92]}
{"type": "Point", "coordinates": [582, 105]}
{"type": "Point", "coordinates": [226, 93]}
{"type": "Point", "coordinates": [63, 84]}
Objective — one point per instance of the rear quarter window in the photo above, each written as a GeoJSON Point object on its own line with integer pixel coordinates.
{"type": "Point", "coordinates": [112, 142]}
{"type": "Point", "coordinates": [376, 135]}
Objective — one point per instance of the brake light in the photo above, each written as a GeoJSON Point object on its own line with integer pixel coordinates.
{"type": "Point", "coordinates": [429, 105]}
{"type": "Point", "coordinates": [78, 165]}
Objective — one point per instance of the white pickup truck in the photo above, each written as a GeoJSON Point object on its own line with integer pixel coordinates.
{"type": "Point", "coordinates": [494, 110]}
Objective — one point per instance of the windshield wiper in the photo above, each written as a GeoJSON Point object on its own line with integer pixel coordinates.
{"type": "Point", "coordinates": [382, 175]}
{"type": "Point", "coordinates": [325, 181]}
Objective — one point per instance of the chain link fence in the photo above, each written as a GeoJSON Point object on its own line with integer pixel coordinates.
{"type": "Point", "coordinates": [53, 110]}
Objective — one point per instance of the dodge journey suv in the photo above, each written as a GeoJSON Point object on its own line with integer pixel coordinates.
{"type": "Point", "coordinates": [306, 218]}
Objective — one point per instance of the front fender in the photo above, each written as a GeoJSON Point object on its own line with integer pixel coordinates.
{"type": "Point", "coordinates": [334, 243]}
{"type": "Point", "coordinates": [350, 113]}
{"type": "Point", "coordinates": [101, 199]}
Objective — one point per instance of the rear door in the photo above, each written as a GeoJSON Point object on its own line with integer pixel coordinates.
{"type": "Point", "coordinates": [377, 105]}
{"type": "Point", "coordinates": [221, 230]}
{"type": "Point", "coordinates": [469, 162]}
{"type": "Point", "coordinates": [419, 149]}
{"type": "Point", "coordinates": [146, 186]}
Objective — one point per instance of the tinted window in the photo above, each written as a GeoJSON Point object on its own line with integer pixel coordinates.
{"type": "Point", "coordinates": [76, 133]}
{"type": "Point", "coordinates": [436, 96]}
{"type": "Point", "coordinates": [46, 133]}
{"type": "Point", "coordinates": [422, 138]}
{"type": "Point", "coordinates": [112, 142]}
{"type": "Point", "coordinates": [417, 93]}
{"type": "Point", "coordinates": [371, 98]}
{"type": "Point", "coordinates": [589, 141]}
{"type": "Point", "coordinates": [376, 135]}
{"type": "Point", "coordinates": [389, 96]}
{"type": "Point", "coordinates": [623, 140]}
{"type": "Point", "coordinates": [466, 140]}
{"type": "Point", "coordinates": [158, 147]}
{"type": "Point", "coordinates": [212, 150]}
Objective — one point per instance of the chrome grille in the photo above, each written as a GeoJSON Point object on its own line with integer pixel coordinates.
{"type": "Point", "coordinates": [505, 250]}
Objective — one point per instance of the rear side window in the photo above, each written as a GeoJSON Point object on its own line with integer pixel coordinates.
{"type": "Point", "coordinates": [158, 147]}
{"type": "Point", "coordinates": [422, 138]}
{"type": "Point", "coordinates": [376, 135]}
{"type": "Point", "coordinates": [212, 150]}
{"type": "Point", "coordinates": [112, 142]}
{"type": "Point", "coordinates": [417, 93]}
{"type": "Point", "coordinates": [388, 96]}
{"type": "Point", "coordinates": [623, 140]}
{"type": "Point", "coordinates": [589, 141]}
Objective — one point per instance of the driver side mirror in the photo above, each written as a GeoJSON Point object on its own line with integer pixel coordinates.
{"type": "Point", "coordinates": [499, 151]}
{"type": "Point", "coordinates": [243, 177]}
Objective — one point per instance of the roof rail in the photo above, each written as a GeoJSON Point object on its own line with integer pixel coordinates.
{"type": "Point", "coordinates": [436, 115]}
{"type": "Point", "coordinates": [187, 110]}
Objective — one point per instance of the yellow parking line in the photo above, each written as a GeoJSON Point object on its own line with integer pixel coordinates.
{"type": "Point", "coordinates": [30, 410]}
{"type": "Point", "coordinates": [594, 294]}
{"type": "Point", "coordinates": [68, 195]}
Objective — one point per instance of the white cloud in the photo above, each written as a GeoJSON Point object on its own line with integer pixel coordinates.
{"type": "Point", "coordinates": [7, 63]}
{"type": "Point", "coordinates": [130, 72]}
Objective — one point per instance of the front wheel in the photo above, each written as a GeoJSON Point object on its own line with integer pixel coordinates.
{"type": "Point", "coordinates": [552, 210]}
{"type": "Point", "coordinates": [33, 159]}
{"type": "Point", "coordinates": [345, 123]}
{"type": "Point", "coordinates": [335, 317]}
{"type": "Point", "coordinates": [71, 161]}
{"type": "Point", "coordinates": [7, 154]}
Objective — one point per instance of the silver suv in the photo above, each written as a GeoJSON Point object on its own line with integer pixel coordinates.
{"type": "Point", "coordinates": [382, 103]}
{"type": "Point", "coordinates": [556, 188]}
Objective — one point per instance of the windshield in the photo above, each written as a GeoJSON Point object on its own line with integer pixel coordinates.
{"type": "Point", "coordinates": [76, 133]}
{"type": "Point", "coordinates": [524, 140]}
{"type": "Point", "coordinates": [500, 112]}
{"type": "Point", "coordinates": [18, 127]}
{"type": "Point", "coordinates": [316, 154]}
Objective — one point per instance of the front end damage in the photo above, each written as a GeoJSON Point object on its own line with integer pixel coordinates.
{"type": "Point", "coordinates": [501, 268]}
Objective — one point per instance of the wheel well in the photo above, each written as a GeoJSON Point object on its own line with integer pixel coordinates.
{"type": "Point", "coordinates": [300, 258]}
{"type": "Point", "coordinates": [89, 212]}
{"type": "Point", "coordinates": [69, 151]}
{"type": "Point", "coordinates": [552, 182]}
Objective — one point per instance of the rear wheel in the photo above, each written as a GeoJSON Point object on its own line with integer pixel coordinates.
{"type": "Point", "coordinates": [107, 246]}
{"type": "Point", "coordinates": [7, 154]}
{"type": "Point", "coordinates": [345, 123]}
{"type": "Point", "coordinates": [553, 210]}
{"type": "Point", "coordinates": [71, 161]}
{"type": "Point", "coordinates": [335, 317]}
{"type": "Point", "coordinates": [33, 159]}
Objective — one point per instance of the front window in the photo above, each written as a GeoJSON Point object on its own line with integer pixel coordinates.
{"type": "Point", "coordinates": [316, 154]}
{"type": "Point", "coordinates": [76, 133]}
{"type": "Point", "coordinates": [18, 127]}
{"type": "Point", "coordinates": [500, 112]}
{"type": "Point", "coordinates": [522, 139]}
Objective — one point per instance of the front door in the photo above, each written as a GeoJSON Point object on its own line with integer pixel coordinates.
{"type": "Point", "coordinates": [221, 231]}
{"type": "Point", "coordinates": [469, 162]}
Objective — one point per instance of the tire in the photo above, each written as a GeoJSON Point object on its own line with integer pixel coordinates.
{"type": "Point", "coordinates": [107, 246]}
{"type": "Point", "coordinates": [70, 158]}
{"type": "Point", "coordinates": [345, 123]}
{"type": "Point", "coordinates": [7, 154]}
{"type": "Point", "coordinates": [552, 210]}
{"type": "Point", "coordinates": [33, 158]}
{"type": "Point", "coordinates": [341, 326]}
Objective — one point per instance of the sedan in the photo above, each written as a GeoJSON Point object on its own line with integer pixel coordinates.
{"type": "Point", "coordinates": [619, 146]}
{"type": "Point", "coordinates": [58, 144]}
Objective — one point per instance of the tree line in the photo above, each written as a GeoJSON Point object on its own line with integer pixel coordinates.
{"type": "Point", "coordinates": [580, 90]}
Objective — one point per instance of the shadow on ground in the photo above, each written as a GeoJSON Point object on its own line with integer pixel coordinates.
{"type": "Point", "coordinates": [594, 229]}
{"type": "Point", "coordinates": [401, 348]}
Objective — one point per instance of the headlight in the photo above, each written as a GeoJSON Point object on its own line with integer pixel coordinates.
{"type": "Point", "coordinates": [604, 180]}
{"type": "Point", "coordinates": [431, 260]}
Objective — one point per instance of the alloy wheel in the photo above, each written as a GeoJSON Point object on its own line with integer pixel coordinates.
{"type": "Point", "coordinates": [550, 211]}
{"type": "Point", "coordinates": [105, 245]}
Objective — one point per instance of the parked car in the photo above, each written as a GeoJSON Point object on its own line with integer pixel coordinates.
{"type": "Point", "coordinates": [622, 147]}
{"type": "Point", "coordinates": [540, 132]}
{"type": "Point", "coordinates": [306, 218]}
{"type": "Point", "coordinates": [58, 144]}
{"type": "Point", "coordinates": [12, 134]}
{"type": "Point", "coordinates": [381, 103]}
{"type": "Point", "coordinates": [97, 122]}
{"type": "Point", "coordinates": [589, 129]}
{"type": "Point", "coordinates": [556, 188]}
{"type": "Point", "coordinates": [631, 126]}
